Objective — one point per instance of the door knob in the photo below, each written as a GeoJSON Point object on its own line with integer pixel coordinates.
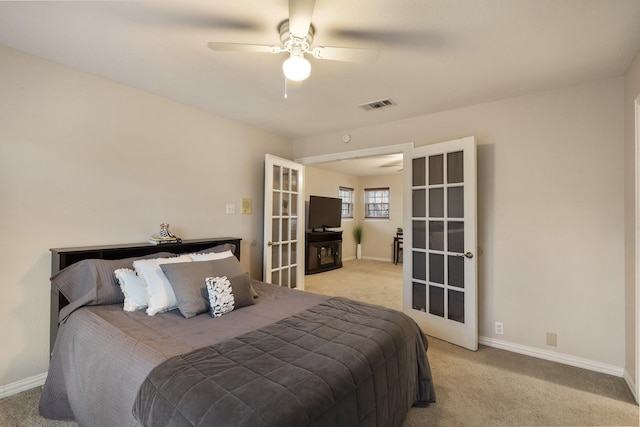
{"type": "Point", "coordinates": [269, 243]}
{"type": "Point", "coordinates": [466, 255]}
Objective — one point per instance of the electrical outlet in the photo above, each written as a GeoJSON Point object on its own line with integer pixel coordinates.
{"type": "Point", "coordinates": [499, 328]}
{"type": "Point", "coordinates": [552, 339]}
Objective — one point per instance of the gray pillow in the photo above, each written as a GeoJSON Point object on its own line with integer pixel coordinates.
{"type": "Point", "coordinates": [220, 292]}
{"type": "Point", "coordinates": [92, 282]}
{"type": "Point", "coordinates": [188, 281]}
{"type": "Point", "coordinates": [219, 248]}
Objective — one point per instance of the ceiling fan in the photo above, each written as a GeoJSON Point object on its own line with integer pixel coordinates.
{"type": "Point", "coordinates": [296, 35]}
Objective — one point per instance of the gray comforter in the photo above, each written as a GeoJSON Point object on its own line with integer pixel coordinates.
{"type": "Point", "coordinates": [103, 355]}
{"type": "Point", "coordinates": [339, 363]}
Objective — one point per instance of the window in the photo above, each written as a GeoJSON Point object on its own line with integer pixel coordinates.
{"type": "Point", "coordinates": [346, 194]}
{"type": "Point", "coordinates": [376, 202]}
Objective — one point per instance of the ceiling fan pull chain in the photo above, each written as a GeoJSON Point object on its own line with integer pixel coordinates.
{"type": "Point", "coordinates": [285, 88]}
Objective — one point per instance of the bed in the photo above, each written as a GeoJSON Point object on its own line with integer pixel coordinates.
{"type": "Point", "coordinates": [278, 357]}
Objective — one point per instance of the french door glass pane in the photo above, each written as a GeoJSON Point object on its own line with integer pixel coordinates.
{"type": "Point", "coordinates": [275, 229]}
{"type": "Point", "coordinates": [456, 305]}
{"type": "Point", "coordinates": [419, 203]}
{"type": "Point", "coordinates": [455, 169]}
{"type": "Point", "coordinates": [294, 229]}
{"type": "Point", "coordinates": [286, 173]}
{"type": "Point", "coordinates": [293, 205]}
{"type": "Point", "coordinates": [294, 252]}
{"type": "Point", "coordinates": [285, 254]}
{"type": "Point", "coordinates": [456, 236]}
{"type": "Point", "coordinates": [276, 178]}
{"type": "Point", "coordinates": [294, 180]}
{"type": "Point", "coordinates": [455, 265]}
{"type": "Point", "coordinates": [418, 171]}
{"type": "Point", "coordinates": [294, 275]}
{"type": "Point", "coordinates": [285, 204]}
{"type": "Point", "coordinates": [455, 202]}
{"type": "Point", "coordinates": [285, 229]}
{"type": "Point", "coordinates": [276, 203]}
{"type": "Point", "coordinates": [436, 202]}
{"type": "Point", "coordinates": [419, 296]}
{"type": "Point", "coordinates": [436, 235]}
{"type": "Point", "coordinates": [436, 170]}
{"type": "Point", "coordinates": [419, 235]}
{"type": "Point", "coordinates": [419, 266]}
{"type": "Point", "coordinates": [275, 256]}
{"type": "Point", "coordinates": [436, 301]}
{"type": "Point", "coordinates": [436, 268]}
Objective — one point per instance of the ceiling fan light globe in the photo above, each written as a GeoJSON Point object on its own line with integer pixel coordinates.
{"type": "Point", "coordinates": [296, 68]}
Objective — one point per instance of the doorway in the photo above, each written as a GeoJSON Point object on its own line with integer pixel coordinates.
{"type": "Point", "coordinates": [355, 170]}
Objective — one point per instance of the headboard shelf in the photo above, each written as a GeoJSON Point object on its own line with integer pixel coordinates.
{"type": "Point", "coordinates": [64, 257]}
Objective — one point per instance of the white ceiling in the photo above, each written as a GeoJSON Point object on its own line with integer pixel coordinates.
{"type": "Point", "coordinates": [435, 55]}
{"type": "Point", "coordinates": [386, 164]}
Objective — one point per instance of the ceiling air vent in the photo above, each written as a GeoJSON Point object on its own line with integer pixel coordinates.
{"type": "Point", "coordinates": [376, 105]}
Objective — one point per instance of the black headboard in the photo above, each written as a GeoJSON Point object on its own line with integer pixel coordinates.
{"type": "Point", "coordinates": [64, 257]}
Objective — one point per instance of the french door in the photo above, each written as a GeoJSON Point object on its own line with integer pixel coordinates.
{"type": "Point", "coordinates": [283, 259]}
{"type": "Point", "coordinates": [440, 263]}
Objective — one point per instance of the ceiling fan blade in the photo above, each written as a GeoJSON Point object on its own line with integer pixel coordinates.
{"type": "Point", "coordinates": [347, 54]}
{"type": "Point", "coordinates": [300, 12]}
{"type": "Point", "coordinates": [243, 47]}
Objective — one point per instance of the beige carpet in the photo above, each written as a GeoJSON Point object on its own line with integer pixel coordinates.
{"type": "Point", "coordinates": [489, 387]}
{"type": "Point", "coordinates": [376, 282]}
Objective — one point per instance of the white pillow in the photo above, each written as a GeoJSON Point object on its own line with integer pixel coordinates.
{"type": "Point", "coordinates": [160, 295]}
{"type": "Point", "coordinates": [211, 256]}
{"type": "Point", "coordinates": [132, 285]}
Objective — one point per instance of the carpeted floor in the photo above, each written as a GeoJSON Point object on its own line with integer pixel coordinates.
{"type": "Point", "coordinates": [489, 387]}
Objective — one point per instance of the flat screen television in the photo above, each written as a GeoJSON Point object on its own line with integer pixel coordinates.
{"type": "Point", "coordinates": [324, 212]}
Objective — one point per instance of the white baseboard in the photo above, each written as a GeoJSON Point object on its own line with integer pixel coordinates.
{"type": "Point", "coordinates": [22, 385]}
{"type": "Point", "coordinates": [367, 257]}
{"type": "Point", "coordinates": [376, 259]}
{"type": "Point", "coordinates": [631, 382]}
{"type": "Point", "coordinates": [566, 359]}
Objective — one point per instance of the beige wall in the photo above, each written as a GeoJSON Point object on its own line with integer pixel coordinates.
{"type": "Point", "coordinates": [550, 212]}
{"type": "Point", "coordinates": [631, 93]}
{"type": "Point", "coordinates": [86, 161]}
{"type": "Point", "coordinates": [377, 241]}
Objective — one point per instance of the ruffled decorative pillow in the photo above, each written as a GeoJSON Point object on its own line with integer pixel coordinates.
{"type": "Point", "coordinates": [225, 295]}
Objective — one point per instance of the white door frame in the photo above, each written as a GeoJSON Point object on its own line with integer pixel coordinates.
{"type": "Point", "coordinates": [355, 154]}
{"type": "Point", "coordinates": [634, 387]}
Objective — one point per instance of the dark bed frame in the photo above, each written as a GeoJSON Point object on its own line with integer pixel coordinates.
{"type": "Point", "coordinates": [64, 257]}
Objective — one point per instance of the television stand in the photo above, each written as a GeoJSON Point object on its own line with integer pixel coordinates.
{"type": "Point", "coordinates": [323, 251]}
